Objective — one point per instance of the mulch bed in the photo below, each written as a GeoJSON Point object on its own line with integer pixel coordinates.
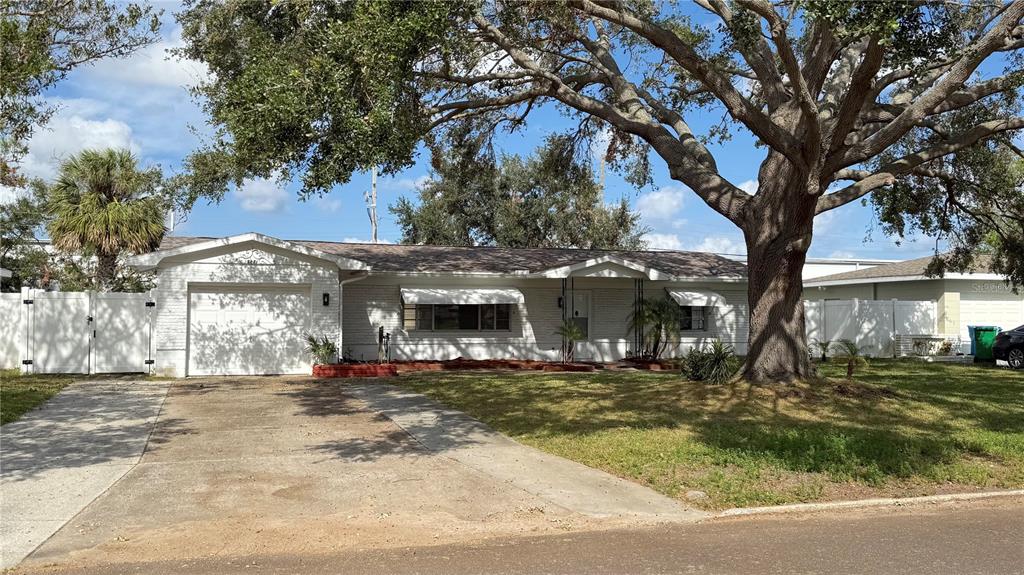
{"type": "Point", "coordinates": [457, 364]}
{"type": "Point", "coordinates": [355, 370]}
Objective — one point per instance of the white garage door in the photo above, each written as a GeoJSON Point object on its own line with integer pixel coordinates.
{"type": "Point", "coordinates": [248, 331]}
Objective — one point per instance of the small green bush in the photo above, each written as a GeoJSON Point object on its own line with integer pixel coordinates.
{"type": "Point", "coordinates": [715, 363]}
{"type": "Point", "coordinates": [321, 348]}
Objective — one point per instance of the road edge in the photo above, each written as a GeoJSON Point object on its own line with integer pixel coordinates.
{"type": "Point", "coordinates": [866, 503]}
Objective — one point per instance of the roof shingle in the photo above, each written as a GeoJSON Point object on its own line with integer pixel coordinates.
{"type": "Point", "coordinates": [908, 268]}
{"type": "Point", "coordinates": [447, 259]}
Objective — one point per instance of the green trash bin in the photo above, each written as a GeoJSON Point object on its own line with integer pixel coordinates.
{"type": "Point", "coordinates": [984, 337]}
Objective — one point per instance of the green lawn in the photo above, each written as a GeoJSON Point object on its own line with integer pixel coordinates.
{"type": "Point", "coordinates": [22, 393]}
{"type": "Point", "coordinates": [902, 429]}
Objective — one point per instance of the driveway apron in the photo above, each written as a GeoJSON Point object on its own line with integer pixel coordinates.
{"type": "Point", "coordinates": [251, 467]}
{"type": "Point", "coordinates": [57, 459]}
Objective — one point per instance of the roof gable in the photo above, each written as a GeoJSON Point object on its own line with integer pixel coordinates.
{"type": "Point", "coordinates": [233, 250]}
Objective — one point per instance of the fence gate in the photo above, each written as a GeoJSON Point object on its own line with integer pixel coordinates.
{"type": "Point", "coordinates": [76, 332]}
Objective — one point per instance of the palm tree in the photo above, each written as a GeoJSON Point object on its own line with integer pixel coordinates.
{"type": "Point", "coordinates": [571, 332]}
{"type": "Point", "coordinates": [847, 352]}
{"type": "Point", "coordinates": [657, 320]}
{"type": "Point", "coordinates": [102, 205]}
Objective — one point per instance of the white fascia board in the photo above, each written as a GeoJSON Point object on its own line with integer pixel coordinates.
{"type": "Point", "coordinates": [888, 279]}
{"type": "Point", "coordinates": [566, 271]}
{"type": "Point", "coordinates": [152, 260]}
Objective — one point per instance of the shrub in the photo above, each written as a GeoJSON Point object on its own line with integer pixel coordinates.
{"type": "Point", "coordinates": [822, 346]}
{"type": "Point", "coordinates": [321, 348]}
{"type": "Point", "coordinates": [571, 332]}
{"type": "Point", "coordinates": [847, 353]}
{"type": "Point", "coordinates": [716, 363]}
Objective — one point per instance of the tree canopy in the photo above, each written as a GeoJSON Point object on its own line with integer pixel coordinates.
{"type": "Point", "coordinates": [103, 205]}
{"type": "Point", "coordinates": [550, 199]}
{"type": "Point", "coordinates": [41, 42]}
{"type": "Point", "coordinates": [844, 98]}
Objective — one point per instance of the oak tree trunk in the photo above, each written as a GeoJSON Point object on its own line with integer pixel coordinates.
{"type": "Point", "coordinates": [777, 245]}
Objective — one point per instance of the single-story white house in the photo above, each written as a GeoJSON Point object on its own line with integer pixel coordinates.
{"type": "Point", "coordinates": [242, 304]}
{"type": "Point", "coordinates": [962, 300]}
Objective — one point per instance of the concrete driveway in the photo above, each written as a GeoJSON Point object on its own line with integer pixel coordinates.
{"type": "Point", "coordinates": [248, 467]}
{"type": "Point", "coordinates": [56, 459]}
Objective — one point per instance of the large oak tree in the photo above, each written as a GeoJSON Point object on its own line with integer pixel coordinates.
{"type": "Point", "coordinates": [912, 99]}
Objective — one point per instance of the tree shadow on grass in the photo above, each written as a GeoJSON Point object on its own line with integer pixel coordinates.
{"type": "Point", "coordinates": [868, 438]}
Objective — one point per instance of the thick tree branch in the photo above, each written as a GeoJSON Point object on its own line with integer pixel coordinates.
{"type": "Point", "coordinates": [856, 97]}
{"type": "Point", "coordinates": [739, 107]}
{"type": "Point", "coordinates": [969, 61]}
{"type": "Point", "coordinates": [889, 172]}
{"type": "Point", "coordinates": [759, 57]}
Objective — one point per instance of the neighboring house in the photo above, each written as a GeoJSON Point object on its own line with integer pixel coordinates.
{"type": "Point", "coordinates": [817, 267]}
{"type": "Point", "coordinates": [5, 273]}
{"type": "Point", "coordinates": [241, 305]}
{"type": "Point", "coordinates": [978, 298]}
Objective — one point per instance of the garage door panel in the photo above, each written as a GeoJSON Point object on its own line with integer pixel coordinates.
{"type": "Point", "coordinates": [249, 331]}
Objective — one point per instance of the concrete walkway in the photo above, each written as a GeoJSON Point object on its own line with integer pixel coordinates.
{"type": "Point", "coordinates": [565, 483]}
{"type": "Point", "coordinates": [59, 458]}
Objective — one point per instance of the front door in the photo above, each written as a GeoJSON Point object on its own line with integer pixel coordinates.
{"type": "Point", "coordinates": [580, 314]}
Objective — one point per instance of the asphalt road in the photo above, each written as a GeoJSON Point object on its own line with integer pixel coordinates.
{"type": "Point", "coordinates": [958, 539]}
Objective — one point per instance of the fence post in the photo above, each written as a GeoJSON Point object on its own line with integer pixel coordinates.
{"type": "Point", "coordinates": [26, 310]}
{"type": "Point", "coordinates": [895, 352]}
{"type": "Point", "coordinates": [823, 313]}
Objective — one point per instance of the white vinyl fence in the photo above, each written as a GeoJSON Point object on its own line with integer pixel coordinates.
{"type": "Point", "coordinates": [76, 332]}
{"type": "Point", "coordinates": [872, 325]}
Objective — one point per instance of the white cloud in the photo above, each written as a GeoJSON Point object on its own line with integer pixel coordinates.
{"type": "Point", "coordinates": [749, 186]}
{"type": "Point", "coordinates": [663, 241]}
{"type": "Point", "coordinates": [261, 195]}
{"type": "Point", "coordinates": [823, 221]}
{"type": "Point", "coordinates": [402, 184]}
{"type": "Point", "coordinates": [661, 204]}
{"type": "Point", "coordinates": [719, 245]}
{"type": "Point", "coordinates": [842, 254]}
{"type": "Point", "coordinates": [327, 204]}
{"type": "Point", "coordinates": [354, 240]}
{"type": "Point", "coordinates": [66, 135]}
{"type": "Point", "coordinates": [153, 66]}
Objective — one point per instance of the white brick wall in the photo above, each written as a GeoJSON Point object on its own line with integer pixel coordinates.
{"type": "Point", "coordinates": [265, 266]}
{"type": "Point", "coordinates": [376, 301]}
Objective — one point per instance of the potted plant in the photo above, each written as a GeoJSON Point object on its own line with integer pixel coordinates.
{"type": "Point", "coordinates": [322, 348]}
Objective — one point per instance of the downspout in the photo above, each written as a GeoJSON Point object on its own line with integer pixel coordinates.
{"type": "Point", "coordinates": [341, 302]}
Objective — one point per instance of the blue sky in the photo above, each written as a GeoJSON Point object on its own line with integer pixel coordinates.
{"type": "Point", "coordinates": [142, 102]}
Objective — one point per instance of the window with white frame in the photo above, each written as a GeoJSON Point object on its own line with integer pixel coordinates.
{"type": "Point", "coordinates": [693, 318]}
{"type": "Point", "coordinates": [458, 317]}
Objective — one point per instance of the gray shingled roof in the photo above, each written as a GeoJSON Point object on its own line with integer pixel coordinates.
{"type": "Point", "coordinates": [406, 258]}
{"type": "Point", "coordinates": [908, 268]}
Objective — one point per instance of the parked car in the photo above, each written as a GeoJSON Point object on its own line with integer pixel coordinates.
{"type": "Point", "coordinates": [1009, 346]}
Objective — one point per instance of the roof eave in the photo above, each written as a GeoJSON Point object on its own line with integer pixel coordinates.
{"type": "Point", "coordinates": [152, 260]}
